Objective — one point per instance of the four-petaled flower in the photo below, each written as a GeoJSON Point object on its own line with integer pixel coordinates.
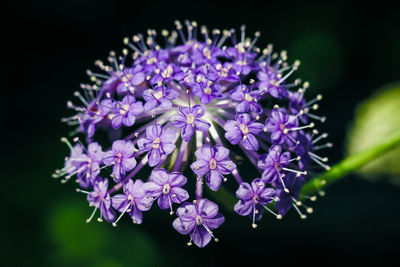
{"type": "Point", "coordinates": [100, 199]}
{"type": "Point", "coordinates": [242, 130]}
{"type": "Point", "coordinates": [214, 163]}
{"type": "Point", "coordinates": [253, 198]}
{"type": "Point", "coordinates": [273, 163]}
{"type": "Point", "coordinates": [188, 119]}
{"type": "Point", "coordinates": [286, 199]}
{"type": "Point", "coordinates": [167, 187]}
{"type": "Point", "coordinates": [280, 125]}
{"type": "Point", "coordinates": [197, 220]}
{"type": "Point", "coordinates": [159, 142]}
{"type": "Point", "coordinates": [121, 157]}
{"type": "Point", "coordinates": [89, 165]}
{"type": "Point", "coordinates": [125, 112]}
{"type": "Point", "coordinates": [159, 97]}
{"type": "Point", "coordinates": [248, 100]}
{"type": "Point", "coordinates": [133, 201]}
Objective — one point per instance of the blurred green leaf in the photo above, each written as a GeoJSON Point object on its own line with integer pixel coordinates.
{"type": "Point", "coordinates": [376, 119]}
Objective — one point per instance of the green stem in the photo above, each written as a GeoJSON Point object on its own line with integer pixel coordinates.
{"type": "Point", "coordinates": [349, 164]}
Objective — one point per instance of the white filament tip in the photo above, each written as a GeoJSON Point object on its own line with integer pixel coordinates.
{"type": "Point", "coordinates": [254, 225]}
{"type": "Point", "coordinates": [310, 210]}
{"type": "Point", "coordinates": [303, 216]}
{"type": "Point", "coordinates": [114, 224]}
{"type": "Point", "coordinates": [279, 217]}
{"type": "Point", "coordinates": [286, 190]}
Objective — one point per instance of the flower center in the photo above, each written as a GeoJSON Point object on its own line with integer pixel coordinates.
{"type": "Point", "coordinates": [119, 157]}
{"type": "Point", "coordinates": [256, 199]}
{"type": "Point", "coordinates": [213, 164]}
{"type": "Point", "coordinates": [124, 109]}
{"type": "Point", "coordinates": [199, 220]}
{"type": "Point", "coordinates": [277, 166]}
{"type": "Point", "coordinates": [156, 143]}
{"type": "Point", "coordinates": [248, 97]}
{"type": "Point", "coordinates": [190, 118]}
{"type": "Point", "coordinates": [207, 90]}
{"type": "Point", "coordinates": [244, 128]}
{"type": "Point", "coordinates": [158, 95]}
{"type": "Point", "coordinates": [282, 126]}
{"type": "Point", "coordinates": [166, 189]}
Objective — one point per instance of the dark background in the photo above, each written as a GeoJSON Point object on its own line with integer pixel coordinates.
{"type": "Point", "coordinates": [347, 50]}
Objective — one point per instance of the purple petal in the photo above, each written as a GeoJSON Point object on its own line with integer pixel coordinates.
{"type": "Point", "coordinates": [245, 192]}
{"type": "Point", "coordinates": [136, 215]}
{"type": "Point", "coordinates": [242, 106]}
{"type": "Point", "coordinates": [250, 142]}
{"type": "Point", "coordinates": [128, 120]}
{"type": "Point", "coordinates": [198, 111]}
{"type": "Point", "coordinates": [226, 167]}
{"type": "Point", "coordinates": [200, 236]}
{"type": "Point", "coordinates": [200, 167]}
{"type": "Point", "coordinates": [154, 157]}
{"type": "Point", "coordinates": [116, 122]}
{"type": "Point", "coordinates": [202, 125]}
{"type": "Point", "coordinates": [152, 189]}
{"type": "Point", "coordinates": [177, 179]}
{"type": "Point", "coordinates": [243, 208]}
{"type": "Point", "coordinates": [178, 195]}
{"type": "Point", "coordinates": [119, 202]}
{"type": "Point", "coordinates": [207, 209]}
{"type": "Point", "coordinates": [168, 147]}
{"type": "Point", "coordinates": [187, 212]}
{"type": "Point", "coordinates": [214, 180]}
{"type": "Point", "coordinates": [160, 177]}
{"type": "Point", "coordinates": [234, 136]}
{"type": "Point", "coordinates": [107, 212]}
{"type": "Point", "coordinates": [215, 222]}
{"type": "Point", "coordinates": [153, 131]}
{"type": "Point", "coordinates": [187, 132]}
{"type": "Point", "coordinates": [163, 201]}
{"type": "Point", "coordinates": [128, 163]}
{"type": "Point", "coordinates": [220, 153]}
{"type": "Point", "coordinates": [255, 127]}
{"type": "Point", "coordinates": [204, 153]}
{"type": "Point", "coordinates": [183, 227]}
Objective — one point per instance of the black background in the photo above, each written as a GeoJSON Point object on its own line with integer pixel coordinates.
{"type": "Point", "coordinates": [348, 50]}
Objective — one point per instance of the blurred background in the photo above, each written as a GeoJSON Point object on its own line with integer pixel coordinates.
{"type": "Point", "coordinates": [350, 54]}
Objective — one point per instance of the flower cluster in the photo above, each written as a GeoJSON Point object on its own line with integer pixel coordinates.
{"type": "Point", "coordinates": [157, 106]}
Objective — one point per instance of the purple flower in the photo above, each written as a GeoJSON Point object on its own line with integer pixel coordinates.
{"type": "Point", "coordinates": [248, 100]}
{"type": "Point", "coordinates": [167, 187]}
{"type": "Point", "coordinates": [188, 119]}
{"type": "Point", "coordinates": [242, 130]}
{"type": "Point", "coordinates": [272, 164]}
{"type": "Point", "coordinates": [124, 81]}
{"type": "Point", "coordinates": [214, 163]}
{"type": "Point", "coordinates": [294, 185]}
{"type": "Point", "coordinates": [100, 199]}
{"type": "Point", "coordinates": [159, 97]}
{"type": "Point", "coordinates": [121, 158]}
{"type": "Point", "coordinates": [159, 142]}
{"type": "Point", "coordinates": [197, 220]}
{"type": "Point", "coordinates": [133, 201]}
{"type": "Point", "coordinates": [253, 198]}
{"type": "Point", "coordinates": [279, 124]}
{"type": "Point", "coordinates": [170, 72]}
{"type": "Point", "coordinates": [206, 90]}
{"type": "Point", "coordinates": [90, 165]}
{"type": "Point", "coordinates": [124, 112]}
{"type": "Point", "coordinates": [93, 115]}
{"type": "Point", "coordinates": [269, 79]}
